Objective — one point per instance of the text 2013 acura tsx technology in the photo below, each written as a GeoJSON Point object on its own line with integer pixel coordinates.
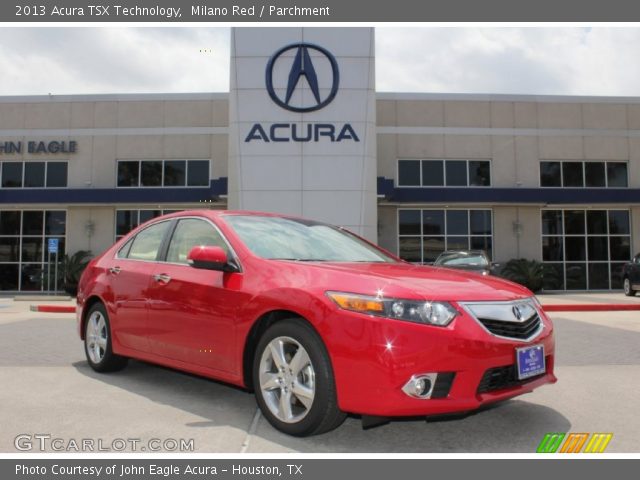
{"type": "Point", "coordinates": [314, 319]}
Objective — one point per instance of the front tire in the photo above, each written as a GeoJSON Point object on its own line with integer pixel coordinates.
{"type": "Point", "coordinates": [628, 290]}
{"type": "Point", "coordinates": [97, 342]}
{"type": "Point", "coordinates": [293, 380]}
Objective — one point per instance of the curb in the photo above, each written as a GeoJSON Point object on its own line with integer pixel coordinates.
{"type": "Point", "coordinates": [53, 308]}
{"type": "Point", "coordinates": [587, 307]}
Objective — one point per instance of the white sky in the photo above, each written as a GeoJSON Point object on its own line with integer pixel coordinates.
{"type": "Point", "coordinates": [552, 61]}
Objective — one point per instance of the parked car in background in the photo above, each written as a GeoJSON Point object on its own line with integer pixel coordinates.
{"type": "Point", "coordinates": [317, 321]}
{"type": "Point", "coordinates": [470, 260]}
{"type": "Point", "coordinates": [631, 276]}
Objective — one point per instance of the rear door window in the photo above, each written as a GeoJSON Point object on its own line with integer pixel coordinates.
{"type": "Point", "coordinates": [147, 243]}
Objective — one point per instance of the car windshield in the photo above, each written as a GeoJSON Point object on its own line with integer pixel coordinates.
{"type": "Point", "coordinates": [473, 259]}
{"type": "Point", "coordinates": [280, 238]}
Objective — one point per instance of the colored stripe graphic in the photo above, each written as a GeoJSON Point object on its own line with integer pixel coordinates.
{"type": "Point", "coordinates": [598, 442]}
{"type": "Point", "coordinates": [574, 442]}
{"type": "Point", "coordinates": [550, 443]}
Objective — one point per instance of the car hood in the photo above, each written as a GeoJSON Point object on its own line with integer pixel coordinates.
{"type": "Point", "coordinates": [413, 281]}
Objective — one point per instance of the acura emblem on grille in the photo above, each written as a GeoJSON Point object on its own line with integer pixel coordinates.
{"type": "Point", "coordinates": [516, 312]}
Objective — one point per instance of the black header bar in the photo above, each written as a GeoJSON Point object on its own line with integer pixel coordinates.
{"type": "Point", "coordinates": [296, 11]}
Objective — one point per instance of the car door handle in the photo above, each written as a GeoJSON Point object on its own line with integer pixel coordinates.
{"type": "Point", "coordinates": [162, 278]}
{"type": "Point", "coordinates": [114, 270]}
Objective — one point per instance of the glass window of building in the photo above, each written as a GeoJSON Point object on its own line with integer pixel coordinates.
{"type": "Point", "coordinates": [589, 174]}
{"type": "Point", "coordinates": [423, 234]}
{"type": "Point", "coordinates": [432, 173]}
{"type": "Point", "coordinates": [585, 249]}
{"type": "Point", "coordinates": [163, 173]}
{"type": "Point", "coordinates": [617, 174]}
{"type": "Point", "coordinates": [550, 174]}
{"type": "Point", "coordinates": [128, 174]}
{"type": "Point", "coordinates": [440, 173]}
{"type": "Point", "coordinates": [175, 173]}
{"type": "Point", "coordinates": [409, 173]}
{"type": "Point", "coordinates": [24, 236]}
{"type": "Point", "coordinates": [198, 173]}
{"type": "Point", "coordinates": [479, 173]}
{"type": "Point", "coordinates": [456, 173]}
{"type": "Point", "coordinates": [594, 174]}
{"type": "Point", "coordinates": [572, 174]}
{"type": "Point", "coordinates": [12, 174]}
{"type": "Point", "coordinates": [151, 174]}
{"type": "Point", "coordinates": [33, 174]}
{"type": "Point", "coordinates": [56, 174]}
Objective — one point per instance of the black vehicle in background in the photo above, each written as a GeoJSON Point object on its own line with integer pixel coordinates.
{"type": "Point", "coordinates": [470, 260]}
{"type": "Point", "coordinates": [631, 276]}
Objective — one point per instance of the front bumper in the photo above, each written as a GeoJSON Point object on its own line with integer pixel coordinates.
{"type": "Point", "coordinates": [373, 358]}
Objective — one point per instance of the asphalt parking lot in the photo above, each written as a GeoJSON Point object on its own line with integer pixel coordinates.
{"type": "Point", "coordinates": [47, 388]}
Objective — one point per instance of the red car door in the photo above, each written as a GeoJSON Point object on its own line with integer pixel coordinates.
{"type": "Point", "coordinates": [192, 311]}
{"type": "Point", "coordinates": [129, 278]}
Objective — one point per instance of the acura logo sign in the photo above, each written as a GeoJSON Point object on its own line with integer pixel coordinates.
{"type": "Point", "coordinates": [302, 66]}
{"type": "Point", "coordinates": [306, 63]}
{"type": "Point", "coordinates": [516, 312]}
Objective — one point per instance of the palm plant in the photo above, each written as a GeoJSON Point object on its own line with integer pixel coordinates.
{"type": "Point", "coordinates": [72, 267]}
{"type": "Point", "coordinates": [529, 273]}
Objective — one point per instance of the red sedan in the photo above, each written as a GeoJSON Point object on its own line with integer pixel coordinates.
{"type": "Point", "coordinates": [314, 319]}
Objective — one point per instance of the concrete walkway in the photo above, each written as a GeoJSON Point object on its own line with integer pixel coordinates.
{"type": "Point", "coordinates": [584, 298]}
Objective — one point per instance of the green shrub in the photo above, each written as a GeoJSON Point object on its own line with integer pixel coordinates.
{"type": "Point", "coordinates": [530, 273]}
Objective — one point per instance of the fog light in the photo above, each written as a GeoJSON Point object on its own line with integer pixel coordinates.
{"type": "Point", "coordinates": [420, 386]}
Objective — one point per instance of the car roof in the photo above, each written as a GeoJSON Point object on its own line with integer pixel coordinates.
{"type": "Point", "coordinates": [214, 212]}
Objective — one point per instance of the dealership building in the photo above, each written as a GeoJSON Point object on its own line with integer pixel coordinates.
{"type": "Point", "coordinates": [303, 131]}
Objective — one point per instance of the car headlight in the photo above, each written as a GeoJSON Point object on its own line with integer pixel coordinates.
{"type": "Point", "coordinates": [431, 313]}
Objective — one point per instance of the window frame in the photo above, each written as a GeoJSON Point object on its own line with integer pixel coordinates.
{"type": "Point", "coordinates": [444, 161]}
{"type": "Point", "coordinates": [445, 235]}
{"type": "Point", "coordinates": [584, 172]}
{"type": "Point", "coordinates": [24, 169]}
{"type": "Point", "coordinates": [586, 236]}
{"type": "Point", "coordinates": [163, 162]}
{"type": "Point", "coordinates": [42, 235]}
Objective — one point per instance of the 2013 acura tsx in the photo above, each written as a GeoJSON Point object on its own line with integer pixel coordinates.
{"type": "Point", "coordinates": [314, 319]}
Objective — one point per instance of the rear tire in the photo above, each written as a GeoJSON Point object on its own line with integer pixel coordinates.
{"type": "Point", "coordinates": [97, 342]}
{"type": "Point", "coordinates": [628, 290]}
{"type": "Point", "coordinates": [293, 380]}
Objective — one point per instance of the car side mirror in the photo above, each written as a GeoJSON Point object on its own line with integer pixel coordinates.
{"type": "Point", "coordinates": [495, 265]}
{"type": "Point", "coordinates": [208, 257]}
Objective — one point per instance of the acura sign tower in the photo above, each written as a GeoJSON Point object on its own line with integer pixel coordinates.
{"type": "Point", "coordinates": [302, 124]}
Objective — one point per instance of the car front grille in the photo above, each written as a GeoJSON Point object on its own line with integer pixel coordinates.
{"type": "Point", "coordinates": [500, 378]}
{"type": "Point", "coordinates": [520, 330]}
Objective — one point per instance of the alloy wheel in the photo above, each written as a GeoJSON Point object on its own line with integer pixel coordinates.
{"type": "Point", "coordinates": [96, 336]}
{"type": "Point", "coordinates": [287, 379]}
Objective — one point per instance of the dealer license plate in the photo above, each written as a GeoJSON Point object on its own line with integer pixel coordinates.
{"type": "Point", "coordinates": [530, 361]}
